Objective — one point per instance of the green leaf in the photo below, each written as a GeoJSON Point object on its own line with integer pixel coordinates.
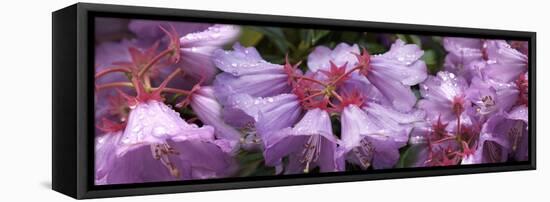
{"type": "Point", "coordinates": [250, 37]}
{"type": "Point", "coordinates": [252, 164]}
{"type": "Point", "coordinates": [430, 57]}
{"type": "Point", "coordinates": [410, 155]}
{"type": "Point", "coordinates": [374, 48]}
{"type": "Point", "coordinates": [416, 40]}
{"type": "Point", "coordinates": [402, 37]}
{"type": "Point", "coordinates": [318, 35]}
{"type": "Point", "coordinates": [276, 36]}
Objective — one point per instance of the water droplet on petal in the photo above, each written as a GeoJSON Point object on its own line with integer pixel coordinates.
{"type": "Point", "coordinates": [159, 131]}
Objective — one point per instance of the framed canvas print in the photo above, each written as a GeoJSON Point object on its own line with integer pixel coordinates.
{"type": "Point", "coordinates": [154, 100]}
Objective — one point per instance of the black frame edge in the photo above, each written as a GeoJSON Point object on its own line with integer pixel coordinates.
{"type": "Point", "coordinates": [64, 159]}
{"type": "Point", "coordinates": [533, 99]}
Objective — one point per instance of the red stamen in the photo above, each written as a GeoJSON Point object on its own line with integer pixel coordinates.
{"type": "Point", "coordinates": [113, 85]}
{"type": "Point", "coordinates": [112, 69]}
{"type": "Point", "coordinates": [364, 62]}
{"type": "Point", "coordinates": [109, 126]}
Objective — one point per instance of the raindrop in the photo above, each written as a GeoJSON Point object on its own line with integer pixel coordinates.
{"type": "Point", "coordinates": [159, 131]}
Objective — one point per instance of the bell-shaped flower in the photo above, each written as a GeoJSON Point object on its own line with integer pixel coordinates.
{"type": "Point", "coordinates": [308, 144]}
{"type": "Point", "coordinates": [246, 72]}
{"type": "Point", "coordinates": [372, 135]}
{"type": "Point", "coordinates": [157, 145]}
{"type": "Point", "coordinates": [505, 63]}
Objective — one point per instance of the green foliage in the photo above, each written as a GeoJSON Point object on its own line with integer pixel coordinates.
{"type": "Point", "coordinates": [252, 164]}
{"type": "Point", "coordinates": [409, 155]}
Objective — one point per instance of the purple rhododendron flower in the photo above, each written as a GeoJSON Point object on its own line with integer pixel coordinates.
{"type": "Point", "coordinates": [157, 145]}
{"type": "Point", "coordinates": [518, 135]}
{"type": "Point", "coordinates": [494, 143]}
{"type": "Point", "coordinates": [343, 54]}
{"type": "Point", "coordinates": [209, 111]}
{"type": "Point", "coordinates": [148, 32]}
{"type": "Point", "coordinates": [505, 63]}
{"type": "Point", "coordinates": [489, 97]}
{"type": "Point", "coordinates": [374, 134]}
{"type": "Point", "coordinates": [309, 144]}
{"type": "Point", "coordinates": [465, 58]}
{"type": "Point", "coordinates": [392, 73]}
{"type": "Point", "coordinates": [244, 71]}
{"type": "Point", "coordinates": [198, 48]}
{"type": "Point", "coordinates": [257, 117]}
{"type": "Point", "coordinates": [444, 98]}
{"type": "Point", "coordinates": [105, 153]}
{"type": "Point", "coordinates": [197, 42]}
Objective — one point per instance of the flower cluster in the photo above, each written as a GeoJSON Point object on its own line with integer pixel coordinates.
{"type": "Point", "coordinates": [174, 103]}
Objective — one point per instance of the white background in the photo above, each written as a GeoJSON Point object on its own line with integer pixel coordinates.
{"type": "Point", "coordinates": [25, 102]}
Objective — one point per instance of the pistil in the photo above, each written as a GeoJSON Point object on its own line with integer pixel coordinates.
{"type": "Point", "coordinates": [311, 152]}
{"type": "Point", "coordinates": [162, 152]}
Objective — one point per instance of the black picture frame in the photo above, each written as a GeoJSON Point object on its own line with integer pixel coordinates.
{"type": "Point", "coordinates": [73, 103]}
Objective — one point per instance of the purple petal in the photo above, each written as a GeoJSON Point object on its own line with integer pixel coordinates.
{"type": "Point", "coordinates": [321, 56]}
{"type": "Point", "coordinates": [209, 111]}
{"type": "Point", "coordinates": [277, 112]}
{"type": "Point", "coordinates": [154, 122]}
{"type": "Point", "coordinates": [243, 61]}
{"type": "Point", "coordinates": [197, 49]}
{"type": "Point", "coordinates": [457, 44]}
{"type": "Point", "coordinates": [105, 153]}
{"type": "Point", "coordinates": [139, 166]}
{"type": "Point", "coordinates": [214, 36]}
{"type": "Point", "coordinates": [401, 96]}
{"type": "Point", "coordinates": [405, 54]}
{"type": "Point", "coordinates": [467, 63]}
{"type": "Point", "coordinates": [256, 85]}
{"type": "Point", "coordinates": [207, 160]}
{"type": "Point", "coordinates": [375, 135]}
{"type": "Point", "coordinates": [148, 31]}
{"type": "Point", "coordinates": [359, 83]}
{"type": "Point", "coordinates": [315, 129]}
{"type": "Point", "coordinates": [505, 63]}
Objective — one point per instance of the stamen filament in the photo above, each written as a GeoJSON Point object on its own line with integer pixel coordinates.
{"type": "Point", "coordinates": [312, 80]}
{"type": "Point", "coordinates": [345, 75]}
{"type": "Point", "coordinates": [174, 90]}
{"type": "Point", "coordinates": [114, 84]}
{"type": "Point", "coordinates": [154, 61]}
{"type": "Point", "coordinates": [110, 70]}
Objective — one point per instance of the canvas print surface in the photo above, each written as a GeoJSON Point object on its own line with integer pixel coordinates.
{"type": "Point", "coordinates": [178, 101]}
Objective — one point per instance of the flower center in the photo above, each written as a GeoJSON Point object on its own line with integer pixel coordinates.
{"type": "Point", "coordinates": [311, 151]}
{"type": "Point", "coordinates": [162, 152]}
{"type": "Point", "coordinates": [486, 105]}
{"type": "Point", "coordinates": [364, 153]}
{"type": "Point", "coordinates": [250, 135]}
{"type": "Point", "coordinates": [515, 133]}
